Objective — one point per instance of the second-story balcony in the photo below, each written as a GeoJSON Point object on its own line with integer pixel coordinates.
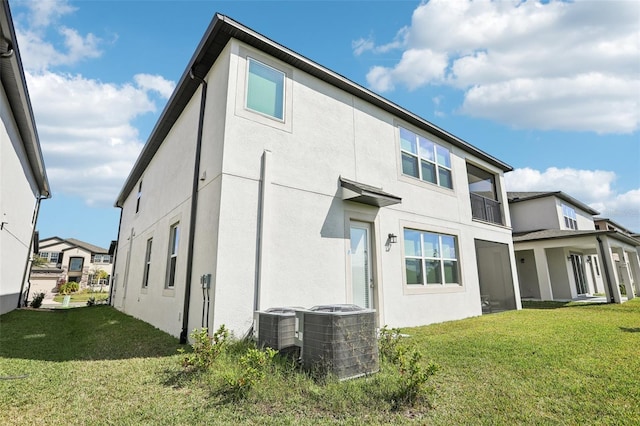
{"type": "Point", "coordinates": [486, 209]}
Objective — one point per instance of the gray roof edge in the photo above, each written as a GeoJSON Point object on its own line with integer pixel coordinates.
{"type": "Point", "coordinates": [615, 234]}
{"type": "Point", "coordinates": [22, 104]}
{"type": "Point", "coordinates": [74, 242]}
{"type": "Point", "coordinates": [562, 195]}
{"type": "Point", "coordinates": [230, 28]}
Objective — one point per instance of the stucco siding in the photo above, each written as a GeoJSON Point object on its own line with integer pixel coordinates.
{"type": "Point", "coordinates": [272, 227]}
{"type": "Point", "coordinates": [535, 214]}
{"type": "Point", "coordinates": [18, 194]}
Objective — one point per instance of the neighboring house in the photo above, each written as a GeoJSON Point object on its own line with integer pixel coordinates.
{"type": "Point", "coordinates": [561, 254]}
{"type": "Point", "coordinates": [23, 178]}
{"type": "Point", "coordinates": [278, 182]}
{"type": "Point", "coordinates": [70, 260]}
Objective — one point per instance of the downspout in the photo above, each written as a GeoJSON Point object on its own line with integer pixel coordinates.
{"type": "Point", "coordinates": [263, 227]}
{"type": "Point", "coordinates": [27, 265]}
{"type": "Point", "coordinates": [194, 210]}
{"type": "Point", "coordinates": [606, 270]}
{"type": "Point", "coordinates": [115, 258]}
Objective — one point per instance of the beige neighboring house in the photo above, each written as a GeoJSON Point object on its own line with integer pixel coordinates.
{"type": "Point", "coordinates": [562, 252]}
{"type": "Point", "coordinates": [69, 260]}
{"type": "Point", "coordinates": [23, 178]}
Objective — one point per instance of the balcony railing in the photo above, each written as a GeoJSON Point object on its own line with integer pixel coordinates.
{"type": "Point", "coordinates": [486, 209]}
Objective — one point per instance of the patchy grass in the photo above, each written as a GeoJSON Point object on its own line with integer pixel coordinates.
{"type": "Point", "coordinates": [564, 365]}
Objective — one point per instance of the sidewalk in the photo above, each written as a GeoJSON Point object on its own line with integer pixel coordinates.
{"type": "Point", "coordinates": [49, 303]}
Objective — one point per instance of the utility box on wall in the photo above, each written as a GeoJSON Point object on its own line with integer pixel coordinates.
{"type": "Point", "coordinates": [339, 340]}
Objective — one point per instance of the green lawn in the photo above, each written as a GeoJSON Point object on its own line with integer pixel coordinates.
{"type": "Point", "coordinates": [565, 364]}
{"type": "Point", "coordinates": [82, 296]}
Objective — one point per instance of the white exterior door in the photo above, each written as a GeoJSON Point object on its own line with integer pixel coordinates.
{"type": "Point", "coordinates": [361, 277]}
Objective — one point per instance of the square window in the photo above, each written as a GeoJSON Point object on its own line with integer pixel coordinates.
{"type": "Point", "coordinates": [430, 258]}
{"type": "Point", "coordinates": [265, 89]}
{"type": "Point", "coordinates": [434, 160]}
{"type": "Point", "coordinates": [75, 264]}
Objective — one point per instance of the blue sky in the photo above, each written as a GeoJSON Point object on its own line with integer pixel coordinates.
{"type": "Point", "coordinates": [551, 88]}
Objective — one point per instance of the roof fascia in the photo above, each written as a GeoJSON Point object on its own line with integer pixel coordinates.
{"type": "Point", "coordinates": [21, 104]}
{"type": "Point", "coordinates": [217, 35]}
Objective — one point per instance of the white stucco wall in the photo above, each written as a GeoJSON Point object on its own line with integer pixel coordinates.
{"type": "Point", "coordinates": [332, 134]}
{"type": "Point", "coordinates": [535, 214]}
{"type": "Point", "coordinates": [326, 134]}
{"type": "Point", "coordinates": [18, 194]}
{"type": "Point", "coordinates": [165, 200]}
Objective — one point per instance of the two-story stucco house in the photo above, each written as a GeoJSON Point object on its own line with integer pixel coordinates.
{"type": "Point", "coordinates": [278, 182]}
{"type": "Point", "coordinates": [69, 259]}
{"type": "Point", "coordinates": [562, 253]}
{"type": "Point", "coordinates": [23, 178]}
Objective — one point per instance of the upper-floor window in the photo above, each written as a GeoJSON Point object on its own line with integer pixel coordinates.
{"type": "Point", "coordinates": [265, 89]}
{"type": "Point", "coordinates": [174, 237]}
{"type": "Point", "coordinates": [101, 258]}
{"type": "Point", "coordinates": [569, 214]}
{"type": "Point", "coordinates": [51, 257]}
{"type": "Point", "coordinates": [75, 264]}
{"type": "Point", "coordinates": [147, 264]}
{"type": "Point", "coordinates": [425, 159]}
{"type": "Point", "coordinates": [430, 258]}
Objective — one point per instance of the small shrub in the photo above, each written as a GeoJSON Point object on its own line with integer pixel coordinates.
{"type": "Point", "coordinates": [253, 367]}
{"type": "Point", "coordinates": [37, 300]}
{"type": "Point", "coordinates": [91, 301]}
{"type": "Point", "coordinates": [205, 349]}
{"type": "Point", "coordinates": [388, 340]}
{"type": "Point", "coordinates": [68, 288]}
{"type": "Point", "coordinates": [413, 376]}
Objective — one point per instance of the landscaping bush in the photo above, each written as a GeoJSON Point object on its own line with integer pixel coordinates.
{"type": "Point", "coordinates": [253, 367]}
{"type": "Point", "coordinates": [205, 349]}
{"type": "Point", "coordinates": [413, 375]}
{"type": "Point", "coordinates": [37, 300]}
{"type": "Point", "coordinates": [70, 287]}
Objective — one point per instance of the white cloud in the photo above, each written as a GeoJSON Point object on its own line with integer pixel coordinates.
{"type": "Point", "coordinates": [362, 45]}
{"type": "Point", "coordinates": [593, 187]}
{"type": "Point", "coordinates": [156, 83]}
{"type": "Point", "coordinates": [87, 138]}
{"type": "Point", "coordinates": [44, 12]}
{"type": "Point", "coordinates": [85, 125]}
{"type": "Point", "coordinates": [36, 48]}
{"type": "Point", "coordinates": [556, 65]}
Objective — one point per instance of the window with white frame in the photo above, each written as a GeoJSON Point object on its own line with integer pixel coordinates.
{"type": "Point", "coordinates": [425, 159]}
{"type": "Point", "coordinates": [147, 264]}
{"type": "Point", "coordinates": [430, 258]}
{"type": "Point", "coordinates": [174, 237]}
{"type": "Point", "coordinates": [570, 220]}
{"type": "Point", "coordinates": [51, 257]}
{"type": "Point", "coordinates": [265, 89]}
{"type": "Point", "coordinates": [101, 258]}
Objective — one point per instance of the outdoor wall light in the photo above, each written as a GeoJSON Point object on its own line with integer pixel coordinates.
{"type": "Point", "coordinates": [392, 239]}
